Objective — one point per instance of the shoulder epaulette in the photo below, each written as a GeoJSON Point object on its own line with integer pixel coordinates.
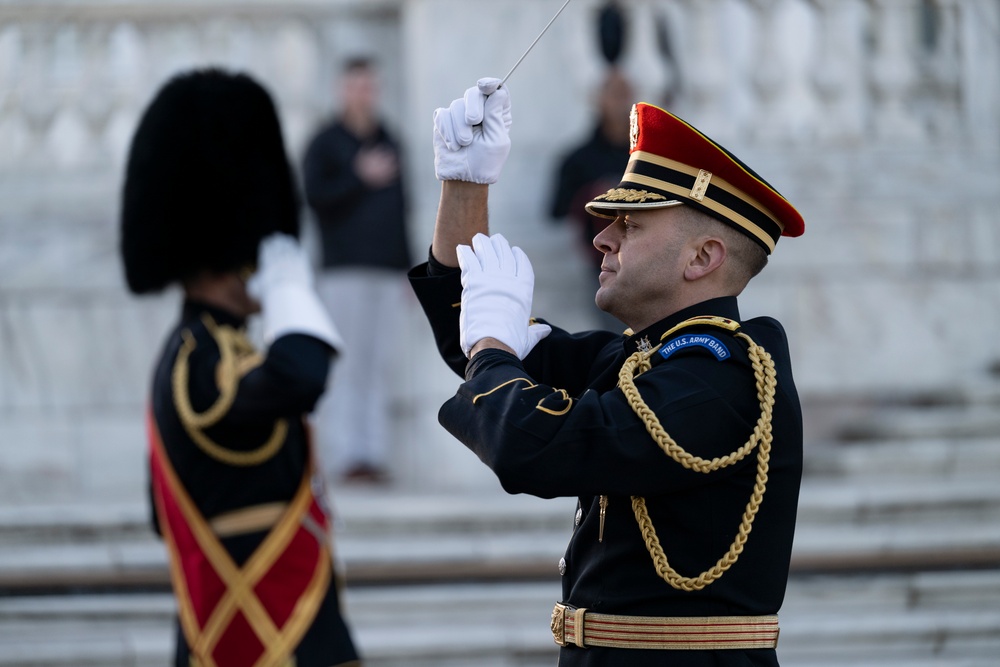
{"type": "Point", "coordinates": [760, 439]}
{"type": "Point", "coordinates": [237, 357]}
{"type": "Point", "coordinates": [680, 337]}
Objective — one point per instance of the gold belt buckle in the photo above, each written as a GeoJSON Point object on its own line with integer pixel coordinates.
{"type": "Point", "coordinates": [558, 624]}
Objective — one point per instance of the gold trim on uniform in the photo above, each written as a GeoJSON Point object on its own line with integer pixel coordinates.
{"type": "Point", "coordinates": [720, 183]}
{"type": "Point", "coordinates": [584, 628]}
{"type": "Point", "coordinates": [248, 519]}
{"type": "Point", "coordinates": [240, 581]}
{"type": "Point", "coordinates": [760, 439]}
{"type": "Point", "coordinates": [531, 384]}
{"type": "Point", "coordinates": [633, 127]}
{"type": "Point", "coordinates": [237, 357]}
{"type": "Point", "coordinates": [629, 196]}
{"type": "Point", "coordinates": [604, 515]}
{"type": "Point", "coordinates": [701, 185]}
{"type": "Point", "coordinates": [703, 320]}
{"type": "Point", "coordinates": [556, 413]}
{"type": "Point", "coordinates": [708, 203]}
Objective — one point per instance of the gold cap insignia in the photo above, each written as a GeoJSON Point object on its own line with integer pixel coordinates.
{"type": "Point", "coordinates": [701, 185]}
{"type": "Point", "coordinates": [633, 128]}
{"type": "Point", "coordinates": [628, 195]}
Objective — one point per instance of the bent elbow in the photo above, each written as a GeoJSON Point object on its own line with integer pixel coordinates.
{"type": "Point", "coordinates": [513, 473]}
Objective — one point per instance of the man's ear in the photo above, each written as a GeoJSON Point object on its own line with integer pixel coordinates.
{"type": "Point", "coordinates": [709, 254]}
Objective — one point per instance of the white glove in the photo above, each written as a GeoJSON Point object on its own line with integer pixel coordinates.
{"type": "Point", "coordinates": [283, 284]}
{"type": "Point", "coordinates": [472, 136]}
{"type": "Point", "coordinates": [497, 284]}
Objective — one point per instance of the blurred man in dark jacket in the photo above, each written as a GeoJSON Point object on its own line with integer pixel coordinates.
{"type": "Point", "coordinates": [353, 184]}
{"type": "Point", "coordinates": [591, 168]}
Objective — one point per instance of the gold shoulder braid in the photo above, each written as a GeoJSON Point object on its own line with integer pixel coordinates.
{"type": "Point", "coordinates": [766, 382]}
{"type": "Point", "coordinates": [237, 357]}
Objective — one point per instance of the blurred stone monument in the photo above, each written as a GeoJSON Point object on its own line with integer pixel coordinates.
{"type": "Point", "coordinates": [879, 119]}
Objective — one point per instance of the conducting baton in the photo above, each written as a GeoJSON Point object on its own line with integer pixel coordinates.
{"type": "Point", "coordinates": [504, 80]}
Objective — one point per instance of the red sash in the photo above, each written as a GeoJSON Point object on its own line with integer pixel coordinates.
{"type": "Point", "coordinates": [249, 616]}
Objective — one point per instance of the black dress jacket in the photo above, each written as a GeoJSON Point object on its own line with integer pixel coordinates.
{"type": "Point", "coordinates": [359, 226]}
{"type": "Point", "coordinates": [283, 384]}
{"type": "Point", "coordinates": [557, 425]}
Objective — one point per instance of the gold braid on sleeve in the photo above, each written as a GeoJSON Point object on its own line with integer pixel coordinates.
{"type": "Point", "coordinates": [237, 357]}
{"type": "Point", "coordinates": [766, 383]}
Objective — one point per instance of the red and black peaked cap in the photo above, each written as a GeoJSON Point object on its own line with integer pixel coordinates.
{"type": "Point", "coordinates": [672, 163]}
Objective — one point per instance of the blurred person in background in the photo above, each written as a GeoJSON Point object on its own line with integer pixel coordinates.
{"type": "Point", "coordinates": [592, 168]}
{"type": "Point", "coordinates": [208, 202]}
{"type": "Point", "coordinates": [354, 186]}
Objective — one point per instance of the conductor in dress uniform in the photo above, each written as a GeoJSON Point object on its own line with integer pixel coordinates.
{"type": "Point", "coordinates": [681, 439]}
{"type": "Point", "coordinates": [209, 204]}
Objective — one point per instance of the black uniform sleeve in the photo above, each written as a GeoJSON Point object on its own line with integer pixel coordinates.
{"type": "Point", "coordinates": [440, 295]}
{"type": "Point", "coordinates": [540, 440]}
{"type": "Point", "coordinates": [561, 358]}
{"type": "Point", "coordinates": [568, 360]}
{"type": "Point", "coordinates": [287, 383]}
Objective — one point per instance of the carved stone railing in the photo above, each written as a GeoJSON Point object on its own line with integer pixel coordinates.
{"type": "Point", "coordinates": [880, 119]}
{"type": "Point", "coordinates": [835, 70]}
{"type": "Point", "coordinates": [74, 76]}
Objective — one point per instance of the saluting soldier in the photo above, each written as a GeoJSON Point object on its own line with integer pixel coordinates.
{"type": "Point", "coordinates": [682, 438]}
{"type": "Point", "coordinates": [232, 469]}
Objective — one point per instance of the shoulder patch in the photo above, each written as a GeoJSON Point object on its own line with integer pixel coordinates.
{"type": "Point", "coordinates": [710, 343]}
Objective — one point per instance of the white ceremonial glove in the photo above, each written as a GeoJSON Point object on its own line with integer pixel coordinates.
{"type": "Point", "coordinates": [472, 136]}
{"type": "Point", "coordinates": [283, 284]}
{"type": "Point", "coordinates": [497, 285]}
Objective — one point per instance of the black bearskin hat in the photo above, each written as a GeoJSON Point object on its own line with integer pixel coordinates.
{"type": "Point", "coordinates": [207, 178]}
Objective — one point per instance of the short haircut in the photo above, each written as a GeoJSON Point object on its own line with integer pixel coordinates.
{"type": "Point", "coordinates": [745, 257]}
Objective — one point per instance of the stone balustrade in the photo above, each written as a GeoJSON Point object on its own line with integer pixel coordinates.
{"type": "Point", "coordinates": [878, 118]}
{"type": "Point", "coordinates": [75, 76]}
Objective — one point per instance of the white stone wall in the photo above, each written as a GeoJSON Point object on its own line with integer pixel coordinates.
{"type": "Point", "coordinates": [889, 143]}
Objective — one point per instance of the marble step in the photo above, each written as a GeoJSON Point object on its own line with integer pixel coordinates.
{"type": "Point", "coordinates": [879, 484]}
{"type": "Point", "coordinates": [933, 457]}
{"type": "Point", "coordinates": [974, 420]}
{"type": "Point", "coordinates": [371, 517]}
{"type": "Point", "coordinates": [939, 619]}
{"type": "Point", "coordinates": [395, 536]}
{"type": "Point", "coordinates": [876, 500]}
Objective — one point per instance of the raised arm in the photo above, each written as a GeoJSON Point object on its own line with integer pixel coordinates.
{"type": "Point", "coordinates": [471, 144]}
{"type": "Point", "coordinates": [462, 213]}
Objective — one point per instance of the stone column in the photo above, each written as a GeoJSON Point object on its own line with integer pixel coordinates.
{"type": "Point", "coordinates": [769, 74]}
{"type": "Point", "coordinates": [980, 71]}
{"type": "Point", "coordinates": [836, 72]}
{"type": "Point", "coordinates": [705, 71]}
{"type": "Point", "coordinates": [893, 73]}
